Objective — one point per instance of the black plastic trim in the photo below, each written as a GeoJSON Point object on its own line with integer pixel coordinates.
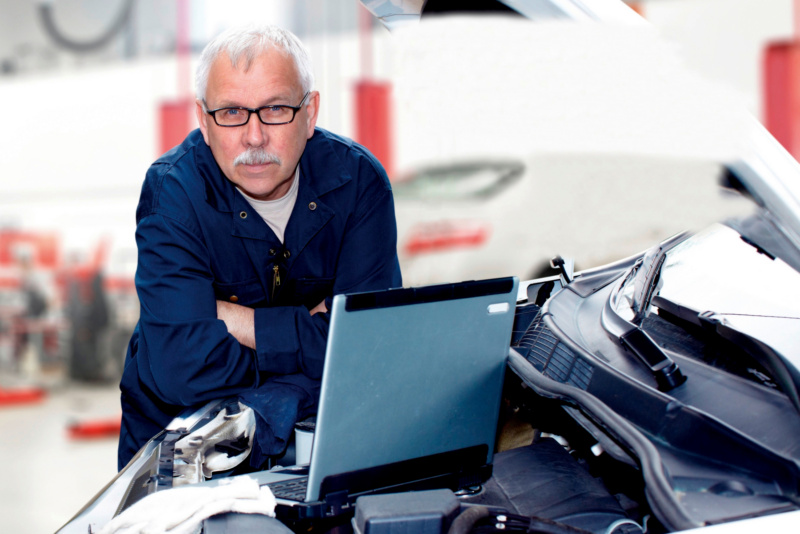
{"type": "Point", "coordinates": [389, 298]}
{"type": "Point", "coordinates": [663, 499]}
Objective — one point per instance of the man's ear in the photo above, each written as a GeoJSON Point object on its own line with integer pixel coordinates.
{"type": "Point", "coordinates": [202, 118]}
{"type": "Point", "coordinates": [312, 111]}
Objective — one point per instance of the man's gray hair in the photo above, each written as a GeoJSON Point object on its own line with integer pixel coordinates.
{"type": "Point", "coordinates": [248, 43]}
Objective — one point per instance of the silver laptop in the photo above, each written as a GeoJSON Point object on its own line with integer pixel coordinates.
{"type": "Point", "coordinates": [411, 391]}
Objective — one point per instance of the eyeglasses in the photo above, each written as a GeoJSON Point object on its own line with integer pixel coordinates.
{"type": "Point", "coordinates": [270, 115]}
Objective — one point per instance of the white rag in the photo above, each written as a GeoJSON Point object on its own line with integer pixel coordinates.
{"type": "Point", "coordinates": [182, 510]}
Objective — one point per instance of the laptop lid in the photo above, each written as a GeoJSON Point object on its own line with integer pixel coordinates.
{"type": "Point", "coordinates": [412, 374]}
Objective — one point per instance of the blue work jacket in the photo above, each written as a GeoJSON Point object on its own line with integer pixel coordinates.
{"type": "Point", "coordinates": [200, 241]}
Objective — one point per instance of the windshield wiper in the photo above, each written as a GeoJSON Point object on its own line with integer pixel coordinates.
{"type": "Point", "coordinates": [663, 368]}
{"type": "Point", "coordinates": [635, 339]}
{"type": "Point", "coordinates": [781, 373]}
{"type": "Point", "coordinates": [648, 274]}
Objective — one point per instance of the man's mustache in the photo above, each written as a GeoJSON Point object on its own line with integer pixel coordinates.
{"type": "Point", "coordinates": [256, 156]}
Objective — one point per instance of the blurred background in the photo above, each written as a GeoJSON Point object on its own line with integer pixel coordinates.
{"type": "Point", "coordinates": [94, 90]}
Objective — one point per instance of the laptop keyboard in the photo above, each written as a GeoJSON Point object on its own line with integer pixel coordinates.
{"type": "Point", "coordinates": [293, 489]}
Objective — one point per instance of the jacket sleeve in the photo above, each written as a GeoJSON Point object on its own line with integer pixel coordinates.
{"type": "Point", "coordinates": [186, 355]}
{"type": "Point", "coordinates": [288, 339]}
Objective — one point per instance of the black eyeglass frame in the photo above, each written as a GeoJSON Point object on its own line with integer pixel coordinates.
{"type": "Point", "coordinates": [257, 111]}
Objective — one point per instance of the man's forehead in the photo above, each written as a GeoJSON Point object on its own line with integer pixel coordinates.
{"type": "Point", "coordinates": [273, 63]}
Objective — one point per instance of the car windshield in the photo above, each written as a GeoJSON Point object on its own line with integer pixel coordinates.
{"type": "Point", "coordinates": [459, 182]}
{"type": "Point", "coordinates": [712, 287]}
{"type": "Point", "coordinates": [701, 273]}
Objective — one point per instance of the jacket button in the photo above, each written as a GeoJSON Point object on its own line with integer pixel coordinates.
{"type": "Point", "coordinates": [243, 214]}
{"type": "Point", "coordinates": [272, 252]}
{"type": "Point", "coordinates": [312, 206]}
{"type": "Point", "coordinates": [234, 298]}
{"type": "Point", "coordinates": [286, 253]}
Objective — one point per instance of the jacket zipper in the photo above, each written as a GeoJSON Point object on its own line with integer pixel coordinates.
{"type": "Point", "coordinates": [276, 280]}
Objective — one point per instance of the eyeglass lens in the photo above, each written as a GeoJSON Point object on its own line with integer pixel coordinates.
{"type": "Point", "coordinates": [268, 115]}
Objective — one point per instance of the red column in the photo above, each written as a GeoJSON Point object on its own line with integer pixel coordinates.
{"type": "Point", "coordinates": [373, 120]}
{"type": "Point", "coordinates": [175, 122]}
{"type": "Point", "coordinates": [782, 93]}
{"type": "Point", "coordinates": [175, 117]}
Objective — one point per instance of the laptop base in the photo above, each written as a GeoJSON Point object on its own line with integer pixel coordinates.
{"type": "Point", "coordinates": [454, 470]}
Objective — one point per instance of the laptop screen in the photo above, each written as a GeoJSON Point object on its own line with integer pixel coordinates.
{"type": "Point", "coordinates": [412, 373]}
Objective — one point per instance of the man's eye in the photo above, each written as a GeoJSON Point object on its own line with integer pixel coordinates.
{"type": "Point", "coordinates": [232, 112]}
{"type": "Point", "coordinates": [273, 109]}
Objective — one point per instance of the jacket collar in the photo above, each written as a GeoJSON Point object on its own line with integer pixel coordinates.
{"type": "Point", "coordinates": [321, 171]}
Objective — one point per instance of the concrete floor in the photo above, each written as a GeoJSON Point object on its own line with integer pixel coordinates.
{"type": "Point", "coordinates": [48, 477]}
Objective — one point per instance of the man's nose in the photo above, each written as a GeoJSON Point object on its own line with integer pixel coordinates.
{"type": "Point", "coordinates": [254, 131]}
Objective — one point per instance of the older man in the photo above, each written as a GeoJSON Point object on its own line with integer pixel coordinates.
{"type": "Point", "coordinates": [245, 231]}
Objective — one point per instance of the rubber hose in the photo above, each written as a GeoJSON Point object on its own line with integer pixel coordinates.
{"type": "Point", "coordinates": [467, 519]}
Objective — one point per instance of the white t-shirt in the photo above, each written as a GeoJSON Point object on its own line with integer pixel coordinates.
{"type": "Point", "coordinates": [276, 213]}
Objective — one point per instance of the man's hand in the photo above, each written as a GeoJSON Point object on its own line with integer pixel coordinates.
{"type": "Point", "coordinates": [240, 321]}
{"type": "Point", "coordinates": [319, 308]}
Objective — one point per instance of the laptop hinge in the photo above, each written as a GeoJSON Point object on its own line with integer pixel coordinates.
{"type": "Point", "coordinates": [436, 470]}
{"type": "Point", "coordinates": [472, 479]}
{"type": "Point", "coordinates": [337, 500]}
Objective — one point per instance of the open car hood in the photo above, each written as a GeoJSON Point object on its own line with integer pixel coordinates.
{"type": "Point", "coordinates": [758, 166]}
{"type": "Point", "coordinates": [397, 13]}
